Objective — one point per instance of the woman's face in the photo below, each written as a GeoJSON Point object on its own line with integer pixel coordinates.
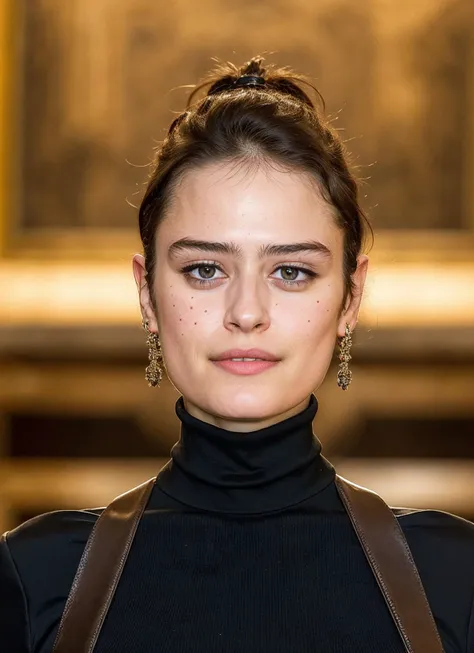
{"type": "Point", "coordinates": [232, 292]}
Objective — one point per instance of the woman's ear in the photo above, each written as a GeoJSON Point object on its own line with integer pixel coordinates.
{"type": "Point", "coordinates": [146, 305]}
{"type": "Point", "coordinates": [350, 312]}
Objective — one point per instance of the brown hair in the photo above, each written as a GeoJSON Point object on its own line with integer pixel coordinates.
{"type": "Point", "coordinates": [274, 122]}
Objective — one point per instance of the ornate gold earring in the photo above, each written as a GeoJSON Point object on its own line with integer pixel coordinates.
{"type": "Point", "coordinates": [344, 375]}
{"type": "Point", "coordinates": [154, 371]}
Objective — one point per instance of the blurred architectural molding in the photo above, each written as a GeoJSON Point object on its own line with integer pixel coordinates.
{"type": "Point", "coordinates": [89, 100]}
{"type": "Point", "coordinates": [97, 388]}
{"type": "Point", "coordinates": [32, 485]}
{"type": "Point", "coordinates": [416, 483]}
{"type": "Point", "coordinates": [127, 343]}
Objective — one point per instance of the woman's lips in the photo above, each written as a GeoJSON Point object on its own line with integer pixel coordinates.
{"type": "Point", "coordinates": [245, 367]}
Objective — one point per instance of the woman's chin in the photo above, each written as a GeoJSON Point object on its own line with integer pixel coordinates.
{"type": "Point", "coordinates": [245, 409]}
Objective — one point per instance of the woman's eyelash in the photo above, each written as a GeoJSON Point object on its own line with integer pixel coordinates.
{"type": "Point", "coordinates": [202, 282]}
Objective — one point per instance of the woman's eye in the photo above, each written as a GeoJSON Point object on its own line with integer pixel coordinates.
{"type": "Point", "coordinates": [290, 274]}
{"type": "Point", "coordinates": [206, 273]}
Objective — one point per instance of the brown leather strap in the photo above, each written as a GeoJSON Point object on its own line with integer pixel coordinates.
{"type": "Point", "coordinates": [99, 571]}
{"type": "Point", "coordinates": [377, 528]}
{"type": "Point", "coordinates": [390, 558]}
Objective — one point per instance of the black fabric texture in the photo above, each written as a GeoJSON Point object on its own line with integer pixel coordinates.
{"type": "Point", "coordinates": [244, 547]}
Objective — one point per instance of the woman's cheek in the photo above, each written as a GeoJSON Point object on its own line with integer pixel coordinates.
{"type": "Point", "coordinates": [316, 315]}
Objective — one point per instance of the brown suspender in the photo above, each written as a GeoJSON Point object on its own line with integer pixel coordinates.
{"type": "Point", "coordinates": [379, 533]}
{"type": "Point", "coordinates": [390, 558]}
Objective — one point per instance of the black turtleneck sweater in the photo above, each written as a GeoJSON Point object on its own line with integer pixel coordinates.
{"type": "Point", "coordinates": [244, 547]}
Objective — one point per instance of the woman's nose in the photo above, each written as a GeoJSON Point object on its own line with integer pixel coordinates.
{"type": "Point", "coordinates": [247, 307]}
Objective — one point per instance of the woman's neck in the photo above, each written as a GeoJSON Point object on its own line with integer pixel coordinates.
{"type": "Point", "coordinates": [270, 469]}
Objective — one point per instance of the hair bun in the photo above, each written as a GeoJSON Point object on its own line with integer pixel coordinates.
{"type": "Point", "coordinates": [227, 77]}
{"type": "Point", "coordinates": [254, 67]}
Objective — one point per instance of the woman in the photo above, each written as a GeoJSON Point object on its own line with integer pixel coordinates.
{"type": "Point", "coordinates": [252, 270]}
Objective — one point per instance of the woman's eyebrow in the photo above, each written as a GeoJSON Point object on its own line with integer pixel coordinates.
{"type": "Point", "coordinates": [235, 250]}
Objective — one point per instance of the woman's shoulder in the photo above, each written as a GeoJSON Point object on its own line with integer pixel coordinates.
{"type": "Point", "coordinates": [47, 547]}
{"type": "Point", "coordinates": [52, 529]}
{"type": "Point", "coordinates": [38, 562]}
{"type": "Point", "coordinates": [437, 529]}
{"type": "Point", "coordinates": [442, 543]}
{"type": "Point", "coordinates": [439, 524]}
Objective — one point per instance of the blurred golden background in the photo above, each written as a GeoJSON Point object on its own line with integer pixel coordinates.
{"type": "Point", "coordinates": [87, 89]}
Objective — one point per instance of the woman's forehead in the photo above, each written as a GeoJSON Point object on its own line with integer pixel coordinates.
{"type": "Point", "coordinates": [257, 204]}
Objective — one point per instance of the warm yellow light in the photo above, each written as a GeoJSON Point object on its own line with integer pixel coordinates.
{"type": "Point", "coordinates": [419, 294]}
{"type": "Point", "coordinates": [104, 293]}
{"type": "Point", "coordinates": [67, 294]}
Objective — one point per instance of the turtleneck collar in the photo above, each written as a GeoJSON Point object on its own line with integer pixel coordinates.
{"type": "Point", "coordinates": [266, 470]}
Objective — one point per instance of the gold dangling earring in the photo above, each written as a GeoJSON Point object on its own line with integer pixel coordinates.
{"type": "Point", "coordinates": [344, 375]}
{"type": "Point", "coordinates": [154, 371]}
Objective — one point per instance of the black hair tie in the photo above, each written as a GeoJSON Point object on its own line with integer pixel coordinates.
{"type": "Point", "coordinates": [249, 80]}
